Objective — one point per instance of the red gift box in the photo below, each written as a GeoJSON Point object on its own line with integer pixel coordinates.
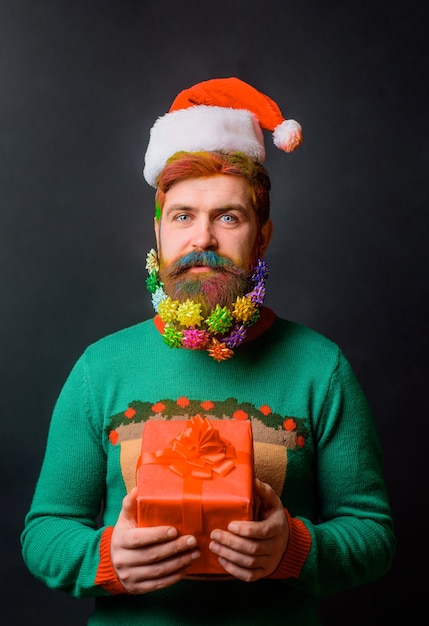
{"type": "Point", "coordinates": [196, 475]}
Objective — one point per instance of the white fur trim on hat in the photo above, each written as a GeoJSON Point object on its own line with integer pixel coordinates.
{"type": "Point", "coordinates": [208, 128]}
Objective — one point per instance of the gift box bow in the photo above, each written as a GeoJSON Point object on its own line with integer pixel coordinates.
{"type": "Point", "coordinates": [197, 451]}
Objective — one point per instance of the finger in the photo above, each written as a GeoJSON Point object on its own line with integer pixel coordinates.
{"type": "Point", "coordinates": [253, 530]}
{"type": "Point", "coordinates": [149, 569]}
{"type": "Point", "coordinates": [265, 493]}
{"type": "Point", "coordinates": [242, 573]}
{"type": "Point", "coordinates": [256, 530]}
{"type": "Point", "coordinates": [227, 545]}
{"type": "Point", "coordinates": [156, 552]}
{"type": "Point", "coordinates": [243, 553]}
{"type": "Point", "coordinates": [128, 514]}
{"type": "Point", "coordinates": [167, 565]}
{"type": "Point", "coordinates": [147, 581]}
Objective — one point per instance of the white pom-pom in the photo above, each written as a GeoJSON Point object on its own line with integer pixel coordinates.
{"type": "Point", "coordinates": [288, 135]}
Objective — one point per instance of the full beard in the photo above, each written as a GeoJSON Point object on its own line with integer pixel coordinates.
{"type": "Point", "coordinates": [220, 285]}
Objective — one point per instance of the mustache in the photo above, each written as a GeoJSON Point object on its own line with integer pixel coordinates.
{"type": "Point", "coordinates": [206, 258]}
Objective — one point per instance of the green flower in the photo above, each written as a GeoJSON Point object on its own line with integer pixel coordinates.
{"type": "Point", "coordinates": [172, 337]}
{"type": "Point", "coordinates": [152, 282]}
{"type": "Point", "coordinates": [220, 320]}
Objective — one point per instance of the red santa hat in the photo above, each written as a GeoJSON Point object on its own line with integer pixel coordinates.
{"type": "Point", "coordinates": [222, 114]}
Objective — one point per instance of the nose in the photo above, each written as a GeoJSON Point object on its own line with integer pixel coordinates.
{"type": "Point", "coordinates": [203, 236]}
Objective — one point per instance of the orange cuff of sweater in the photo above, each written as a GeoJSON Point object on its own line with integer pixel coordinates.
{"type": "Point", "coordinates": [297, 550]}
{"type": "Point", "coordinates": [106, 575]}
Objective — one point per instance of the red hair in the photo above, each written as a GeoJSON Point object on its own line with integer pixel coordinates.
{"type": "Point", "coordinates": [183, 165]}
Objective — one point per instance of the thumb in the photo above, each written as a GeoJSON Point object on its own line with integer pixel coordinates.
{"type": "Point", "coordinates": [128, 515]}
{"type": "Point", "coordinates": [265, 497]}
{"type": "Point", "coordinates": [264, 490]}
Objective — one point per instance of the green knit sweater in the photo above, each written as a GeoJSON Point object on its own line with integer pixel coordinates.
{"type": "Point", "coordinates": [314, 442]}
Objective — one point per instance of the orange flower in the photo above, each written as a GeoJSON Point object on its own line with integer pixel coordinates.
{"type": "Point", "coordinates": [207, 405]}
{"type": "Point", "coordinates": [182, 402]}
{"type": "Point", "coordinates": [240, 415]}
{"type": "Point", "coordinates": [265, 409]}
{"type": "Point", "coordinates": [129, 413]}
{"type": "Point", "coordinates": [219, 351]}
{"type": "Point", "coordinates": [289, 424]}
{"type": "Point", "coordinates": [158, 407]}
{"type": "Point", "coordinates": [113, 436]}
{"type": "Point", "coordinates": [300, 441]}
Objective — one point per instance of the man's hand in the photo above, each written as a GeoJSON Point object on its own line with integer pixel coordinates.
{"type": "Point", "coordinates": [253, 550]}
{"type": "Point", "coordinates": [147, 559]}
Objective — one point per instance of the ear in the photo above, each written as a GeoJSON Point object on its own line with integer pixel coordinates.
{"type": "Point", "coordinates": [157, 228]}
{"type": "Point", "coordinates": [264, 237]}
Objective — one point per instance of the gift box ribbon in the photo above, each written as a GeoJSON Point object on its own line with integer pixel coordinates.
{"type": "Point", "coordinates": [196, 453]}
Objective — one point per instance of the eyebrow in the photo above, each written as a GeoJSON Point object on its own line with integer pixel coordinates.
{"type": "Point", "coordinates": [228, 207]}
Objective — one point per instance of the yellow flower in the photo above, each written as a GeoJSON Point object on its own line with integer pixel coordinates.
{"type": "Point", "coordinates": [244, 309]}
{"type": "Point", "coordinates": [189, 313]}
{"type": "Point", "coordinates": [167, 310]}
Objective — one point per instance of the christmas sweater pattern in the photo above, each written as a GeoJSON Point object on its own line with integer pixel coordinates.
{"type": "Point", "coordinates": [273, 434]}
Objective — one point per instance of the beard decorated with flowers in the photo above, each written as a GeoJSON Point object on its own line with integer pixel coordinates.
{"type": "Point", "coordinates": [192, 318]}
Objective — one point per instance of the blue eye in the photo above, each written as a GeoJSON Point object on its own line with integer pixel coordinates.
{"type": "Point", "coordinates": [228, 218]}
{"type": "Point", "coordinates": [183, 217]}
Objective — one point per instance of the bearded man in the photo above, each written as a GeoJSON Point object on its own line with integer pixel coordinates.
{"type": "Point", "coordinates": [322, 521]}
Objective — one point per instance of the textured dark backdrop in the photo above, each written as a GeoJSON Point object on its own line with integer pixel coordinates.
{"type": "Point", "coordinates": [80, 85]}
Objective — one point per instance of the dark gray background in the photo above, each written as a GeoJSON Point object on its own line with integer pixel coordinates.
{"type": "Point", "coordinates": [81, 83]}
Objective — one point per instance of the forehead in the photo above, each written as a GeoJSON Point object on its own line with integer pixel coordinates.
{"type": "Point", "coordinates": [212, 192]}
